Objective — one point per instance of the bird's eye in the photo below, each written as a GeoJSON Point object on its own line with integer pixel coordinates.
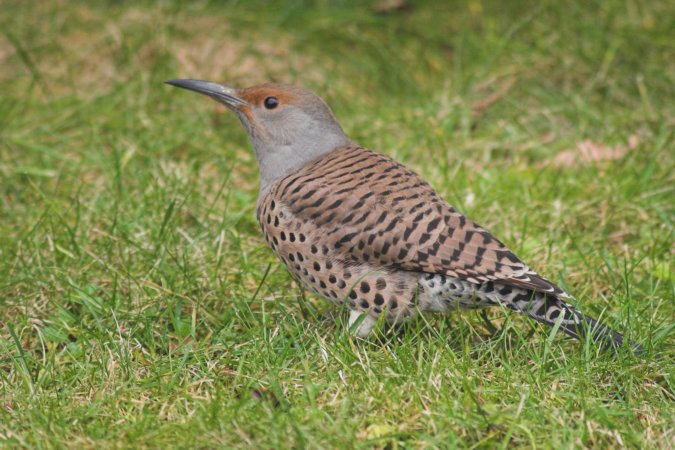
{"type": "Point", "coordinates": [271, 102]}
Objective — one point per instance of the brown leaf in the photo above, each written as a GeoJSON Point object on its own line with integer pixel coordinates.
{"type": "Point", "coordinates": [588, 152]}
{"type": "Point", "coordinates": [390, 6]}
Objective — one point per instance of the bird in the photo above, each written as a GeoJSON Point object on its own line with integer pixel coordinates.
{"type": "Point", "coordinates": [362, 230]}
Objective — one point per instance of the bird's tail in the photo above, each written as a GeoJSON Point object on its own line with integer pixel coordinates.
{"type": "Point", "coordinates": [549, 308]}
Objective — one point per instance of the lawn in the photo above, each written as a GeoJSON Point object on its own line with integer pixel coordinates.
{"type": "Point", "coordinates": [141, 308]}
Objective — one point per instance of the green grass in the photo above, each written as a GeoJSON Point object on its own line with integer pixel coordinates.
{"type": "Point", "coordinates": [139, 306]}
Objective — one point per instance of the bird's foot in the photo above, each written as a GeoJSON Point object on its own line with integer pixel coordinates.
{"type": "Point", "coordinates": [361, 323]}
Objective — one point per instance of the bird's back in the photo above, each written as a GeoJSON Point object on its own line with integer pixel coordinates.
{"type": "Point", "coordinates": [372, 209]}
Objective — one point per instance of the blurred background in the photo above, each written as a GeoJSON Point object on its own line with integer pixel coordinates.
{"type": "Point", "coordinates": [134, 280]}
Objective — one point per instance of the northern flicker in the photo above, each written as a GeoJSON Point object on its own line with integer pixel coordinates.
{"type": "Point", "coordinates": [355, 226]}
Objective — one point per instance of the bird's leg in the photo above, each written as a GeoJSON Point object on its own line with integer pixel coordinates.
{"type": "Point", "coordinates": [366, 325]}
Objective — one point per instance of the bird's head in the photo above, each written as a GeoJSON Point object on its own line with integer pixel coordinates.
{"type": "Point", "coordinates": [288, 126]}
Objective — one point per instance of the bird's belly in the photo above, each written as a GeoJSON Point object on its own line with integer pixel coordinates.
{"type": "Point", "coordinates": [443, 293]}
{"type": "Point", "coordinates": [313, 260]}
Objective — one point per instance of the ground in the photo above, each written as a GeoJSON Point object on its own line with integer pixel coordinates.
{"type": "Point", "coordinates": [140, 308]}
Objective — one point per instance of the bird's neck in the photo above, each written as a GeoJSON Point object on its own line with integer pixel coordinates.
{"type": "Point", "coordinates": [279, 161]}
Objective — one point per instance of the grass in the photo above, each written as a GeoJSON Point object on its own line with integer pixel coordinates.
{"type": "Point", "coordinates": [140, 307]}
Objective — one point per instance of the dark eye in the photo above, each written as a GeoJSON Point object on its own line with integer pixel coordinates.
{"type": "Point", "coordinates": [271, 102]}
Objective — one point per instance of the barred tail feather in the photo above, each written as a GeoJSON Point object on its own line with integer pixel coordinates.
{"type": "Point", "coordinates": [549, 307]}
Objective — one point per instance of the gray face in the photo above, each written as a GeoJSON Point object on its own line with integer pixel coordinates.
{"type": "Point", "coordinates": [288, 126]}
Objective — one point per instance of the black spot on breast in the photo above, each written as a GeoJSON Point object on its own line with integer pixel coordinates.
{"type": "Point", "coordinates": [317, 266]}
{"type": "Point", "coordinates": [380, 283]}
{"type": "Point", "coordinates": [353, 295]}
{"type": "Point", "coordinates": [282, 236]}
{"type": "Point", "coordinates": [379, 300]}
{"type": "Point", "coordinates": [365, 287]}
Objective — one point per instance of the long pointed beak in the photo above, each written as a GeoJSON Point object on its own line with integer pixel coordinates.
{"type": "Point", "coordinates": [223, 94]}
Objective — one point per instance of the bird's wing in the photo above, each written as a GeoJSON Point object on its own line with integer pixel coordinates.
{"type": "Point", "coordinates": [368, 208]}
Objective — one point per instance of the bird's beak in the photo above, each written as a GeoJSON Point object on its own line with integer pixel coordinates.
{"type": "Point", "coordinates": [223, 94]}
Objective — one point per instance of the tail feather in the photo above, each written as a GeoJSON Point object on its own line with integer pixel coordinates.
{"type": "Point", "coordinates": [548, 308]}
